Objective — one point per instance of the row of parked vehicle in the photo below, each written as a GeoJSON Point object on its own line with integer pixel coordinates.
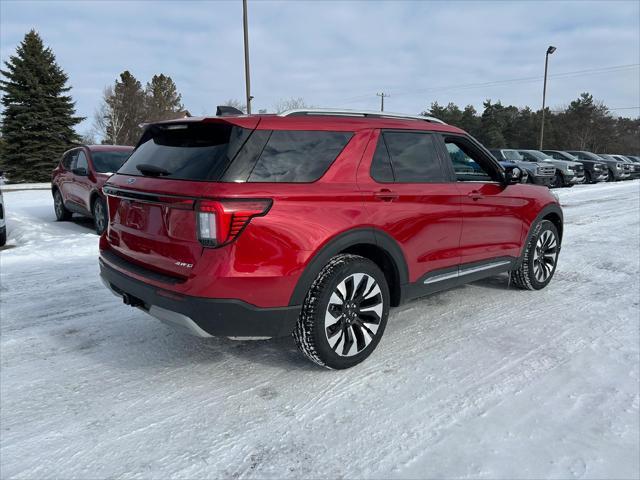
{"type": "Point", "coordinates": [559, 168]}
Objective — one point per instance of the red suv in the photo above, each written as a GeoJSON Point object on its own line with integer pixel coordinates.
{"type": "Point", "coordinates": [77, 181]}
{"type": "Point", "coordinates": [315, 223]}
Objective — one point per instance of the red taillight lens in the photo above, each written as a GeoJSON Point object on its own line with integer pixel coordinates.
{"type": "Point", "coordinates": [221, 221]}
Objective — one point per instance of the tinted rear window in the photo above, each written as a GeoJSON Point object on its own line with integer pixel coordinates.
{"type": "Point", "coordinates": [108, 162]}
{"type": "Point", "coordinates": [298, 156]}
{"type": "Point", "coordinates": [191, 151]}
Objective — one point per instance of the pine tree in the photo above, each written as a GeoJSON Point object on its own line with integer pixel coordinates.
{"type": "Point", "coordinates": [162, 99]}
{"type": "Point", "coordinates": [39, 115]}
{"type": "Point", "coordinates": [127, 102]}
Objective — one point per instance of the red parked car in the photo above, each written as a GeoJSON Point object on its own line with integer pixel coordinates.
{"type": "Point", "coordinates": [315, 223]}
{"type": "Point", "coordinates": [77, 181]}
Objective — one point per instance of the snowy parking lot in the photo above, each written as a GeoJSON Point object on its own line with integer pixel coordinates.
{"type": "Point", "coordinates": [484, 381]}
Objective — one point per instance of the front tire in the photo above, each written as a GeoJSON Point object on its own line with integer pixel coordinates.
{"type": "Point", "coordinates": [558, 181]}
{"type": "Point", "coordinates": [62, 214]}
{"type": "Point", "coordinates": [611, 177]}
{"type": "Point", "coordinates": [540, 258]}
{"type": "Point", "coordinates": [100, 220]}
{"type": "Point", "coordinates": [344, 313]}
{"type": "Point", "coordinates": [3, 236]}
{"type": "Point", "coordinates": [587, 178]}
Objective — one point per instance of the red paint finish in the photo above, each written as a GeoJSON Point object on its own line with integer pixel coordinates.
{"type": "Point", "coordinates": [435, 225]}
{"type": "Point", "coordinates": [79, 189]}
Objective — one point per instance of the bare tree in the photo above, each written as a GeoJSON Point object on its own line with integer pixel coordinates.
{"type": "Point", "coordinates": [291, 103]}
{"type": "Point", "coordinates": [232, 102]}
{"type": "Point", "coordinates": [108, 119]}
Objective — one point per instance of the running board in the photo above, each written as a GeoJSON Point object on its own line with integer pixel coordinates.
{"type": "Point", "coordinates": [461, 272]}
{"type": "Point", "coordinates": [438, 281]}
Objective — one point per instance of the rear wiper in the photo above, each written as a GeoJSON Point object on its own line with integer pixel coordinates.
{"type": "Point", "coordinates": [152, 170]}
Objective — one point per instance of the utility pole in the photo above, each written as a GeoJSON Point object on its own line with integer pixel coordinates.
{"type": "Point", "coordinates": [382, 95]}
{"type": "Point", "coordinates": [246, 55]}
{"type": "Point", "coordinates": [550, 50]}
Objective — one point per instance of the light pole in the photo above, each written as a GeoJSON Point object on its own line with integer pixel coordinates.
{"type": "Point", "coordinates": [550, 50]}
{"type": "Point", "coordinates": [246, 55]}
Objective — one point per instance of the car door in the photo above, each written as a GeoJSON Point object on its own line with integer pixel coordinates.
{"type": "Point", "coordinates": [65, 179]}
{"type": "Point", "coordinates": [82, 184]}
{"type": "Point", "coordinates": [493, 215]}
{"type": "Point", "coordinates": [407, 192]}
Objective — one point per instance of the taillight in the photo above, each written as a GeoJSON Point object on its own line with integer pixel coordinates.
{"type": "Point", "coordinates": [221, 221]}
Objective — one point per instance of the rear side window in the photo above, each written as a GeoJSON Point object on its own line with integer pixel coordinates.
{"type": "Point", "coordinates": [189, 151]}
{"type": "Point", "coordinates": [298, 156]}
{"type": "Point", "coordinates": [413, 158]}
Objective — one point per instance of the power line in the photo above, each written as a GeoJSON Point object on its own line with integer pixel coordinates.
{"type": "Point", "coordinates": [591, 71]}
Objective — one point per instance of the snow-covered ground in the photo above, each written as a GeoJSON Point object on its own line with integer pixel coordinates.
{"type": "Point", "coordinates": [481, 381]}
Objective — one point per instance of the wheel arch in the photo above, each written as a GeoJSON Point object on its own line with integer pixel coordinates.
{"type": "Point", "coordinates": [371, 243]}
{"type": "Point", "coordinates": [551, 212]}
{"type": "Point", "coordinates": [92, 198]}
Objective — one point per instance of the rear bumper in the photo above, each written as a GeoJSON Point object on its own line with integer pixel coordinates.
{"type": "Point", "coordinates": [201, 316]}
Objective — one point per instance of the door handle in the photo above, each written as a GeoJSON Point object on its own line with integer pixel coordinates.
{"type": "Point", "coordinates": [386, 195]}
{"type": "Point", "coordinates": [475, 195]}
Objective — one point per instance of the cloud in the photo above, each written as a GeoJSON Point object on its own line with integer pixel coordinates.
{"type": "Point", "coordinates": [340, 54]}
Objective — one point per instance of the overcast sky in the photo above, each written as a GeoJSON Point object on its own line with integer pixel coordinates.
{"type": "Point", "coordinates": [340, 54]}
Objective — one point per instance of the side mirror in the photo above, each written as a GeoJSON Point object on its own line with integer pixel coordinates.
{"type": "Point", "coordinates": [80, 171]}
{"type": "Point", "coordinates": [512, 175]}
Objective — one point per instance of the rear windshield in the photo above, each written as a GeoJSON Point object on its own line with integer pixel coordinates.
{"type": "Point", "coordinates": [108, 162]}
{"type": "Point", "coordinates": [189, 151]}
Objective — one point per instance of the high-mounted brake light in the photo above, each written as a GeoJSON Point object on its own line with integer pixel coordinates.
{"type": "Point", "coordinates": [221, 221]}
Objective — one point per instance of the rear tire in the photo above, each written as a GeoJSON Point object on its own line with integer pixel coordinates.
{"type": "Point", "coordinates": [344, 313]}
{"type": "Point", "coordinates": [540, 258]}
{"type": "Point", "coordinates": [610, 176]}
{"type": "Point", "coordinates": [62, 214]}
{"type": "Point", "coordinates": [99, 211]}
{"type": "Point", "coordinates": [3, 236]}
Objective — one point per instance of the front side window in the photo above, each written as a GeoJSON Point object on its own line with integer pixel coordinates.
{"type": "Point", "coordinates": [407, 157]}
{"type": "Point", "coordinates": [67, 161]}
{"type": "Point", "coordinates": [298, 156]}
{"type": "Point", "coordinates": [109, 162]}
{"type": "Point", "coordinates": [466, 164]}
{"type": "Point", "coordinates": [81, 161]}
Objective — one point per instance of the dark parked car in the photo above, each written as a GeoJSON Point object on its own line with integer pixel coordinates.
{"type": "Point", "coordinates": [537, 173]}
{"type": "Point", "coordinates": [615, 168]}
{"type": "Point", "coordinates": [77, 181]}
{"type": "Point", "coordinates": [594, 170]}
{"type": "Point", "coordinates": [3, 224]}
{"type": "Point", "coordinates": [315, 223]}
{"type": "Point", "coordinates": [568, 173]}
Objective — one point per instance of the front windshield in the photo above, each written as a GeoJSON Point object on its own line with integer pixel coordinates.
{"type": "Point", "coordinates": [539, 155]}
{"type": "Point", "coordinates": [512, 155]}
{"type": "Point", "coordinates": [109, 162]}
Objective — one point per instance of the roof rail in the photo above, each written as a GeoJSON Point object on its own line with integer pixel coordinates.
{"type": "Point", "coordinates": [357, 113]}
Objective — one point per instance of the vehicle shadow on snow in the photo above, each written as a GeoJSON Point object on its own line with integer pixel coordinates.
{"type": "Point", "coordinates": [139, 342]}
{"type": "Point", "coordinates": [135, 341]}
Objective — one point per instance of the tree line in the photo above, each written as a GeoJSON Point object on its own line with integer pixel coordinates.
{"type": "Point", "coordinates": [39, 117]}
{"type": "Point", "coordinates": [583, 124]}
